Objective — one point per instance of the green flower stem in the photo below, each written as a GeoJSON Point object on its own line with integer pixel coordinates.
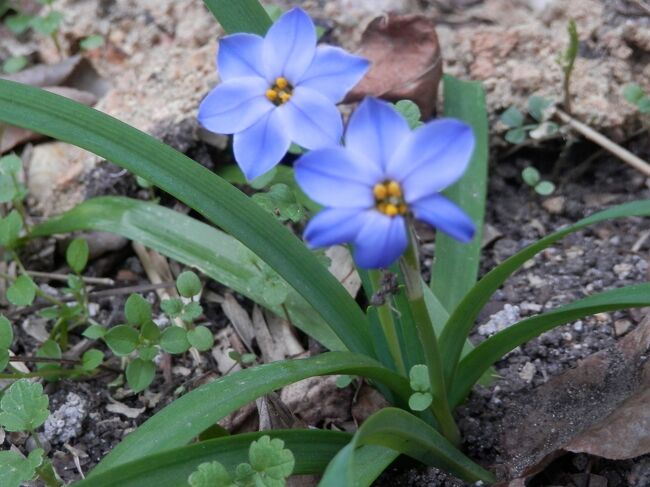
{"type": "Point", "coordinates": [410, 266]}
{"type": "Point", "coordinates": [388, 326]}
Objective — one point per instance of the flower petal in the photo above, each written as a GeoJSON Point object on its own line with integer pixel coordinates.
{"type": "Point", "coordinates": [331, 178]}
{"type": "Point", "coordinates": [312, 120]}
{"type": "Point", "coordinates": [435, 156]}
{"type": "Point", "coordinates": [290, 46]}
{"type": "Point", "coordinates": [445, 215]}
{"type": "Point", "coordinates": [380, 241]}
{"type": "Point", "coordinates": [334, 226]}
{"type": "Point", "coordinates": [262, 146]}
{"type": "Point", "coordinates": [334, 72]}
{"type": "Point", "coordinates": [234, 105]}
{"type": "Point", "coordinates": [240, 56]}
{"type": "Point", "coordinates": [375, 131]}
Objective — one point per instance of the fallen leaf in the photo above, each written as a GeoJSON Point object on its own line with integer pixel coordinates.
{"type": "Point", "coordinates": [124, 410]}
{"type": "Point", "coordinates": [406, 61]}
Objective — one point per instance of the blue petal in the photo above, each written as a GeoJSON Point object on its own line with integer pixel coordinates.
{"type": "Point", "coordinates": [234, 106]}
{"type": "Point", "coordinates": [312, 120]}
{"type": "Point", "coordinates": [331, 178]}
{"type": "Point", "coordinates": [290, 46]}
{"type": "Point", "coordinates": [445, 215]}
{"type": "Point", "coordinates": [435, 156]}
{"type": "Point", "coordinates": [380, 241]}
{"type": "Point", "coordinates": [260, 147]}
{"type": "Point", "coordinates": [240, 56]}
{"type": "Point", "coordinates": [334, 226]}
{"type": "Point", "coordinates": [334, 72]}
{"type": "Point", "coordinates": [375, 131]}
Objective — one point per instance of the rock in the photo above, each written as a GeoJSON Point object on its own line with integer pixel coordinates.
{"type": "Point", "coordinates": [66, 422]}
{"type": "Point", "coordinates": [554, 205]}
{"type": "Point", "coordinates": [621, 327]}
{"type": "Point", "coordinates": [528, 372]}
{"type": "Point", "coordinates": [508, 316]}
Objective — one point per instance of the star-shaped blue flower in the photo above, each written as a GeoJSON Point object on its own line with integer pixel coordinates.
{"type": "Point", "coordinates": [384, 173]}
{"type": "Point", "coordinates": [279, 89]}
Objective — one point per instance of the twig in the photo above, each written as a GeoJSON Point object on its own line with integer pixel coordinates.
{"type": "Point", "coordinates": [102, 281]}
{"type": "Point", "coordinates": [607, 144]}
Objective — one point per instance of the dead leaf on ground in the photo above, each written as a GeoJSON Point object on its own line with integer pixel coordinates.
{"type": "Point", "coordinates": [124, 410]}
{"type": "Point", "coordinates": [599, 408]}
{"type": "Point", "coordinates": [406, 61]}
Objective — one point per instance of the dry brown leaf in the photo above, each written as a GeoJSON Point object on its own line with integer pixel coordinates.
{"type": "Point", "coordinates": [240, 320]}
{"type": "Point", "coordinates": [406, 61]}
{"type": "Point", "coordinates": [599, 408]}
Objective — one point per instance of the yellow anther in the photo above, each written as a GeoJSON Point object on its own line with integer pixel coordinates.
{"type": "Point", "coordinates": [380, 191]}
{"type": "Point", "coordinates": [394, 189]}
{"type": "Point", "coordinates": [272, 94]}
{"type": "Point", "coordinates": [402, 209]}
{"type": "Point", "coordinates": [281, 83]}
{"type": "Point", "coordinates": [390, 210]}
{"type": "Point", "coordinates": [284, 97]}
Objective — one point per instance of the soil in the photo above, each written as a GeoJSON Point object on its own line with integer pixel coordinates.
{"type": "Point", "coordinates": [604, 257]}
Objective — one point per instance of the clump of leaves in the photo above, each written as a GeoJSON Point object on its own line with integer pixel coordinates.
{"type": "Point", "coordinates": [270, 464]}
{"type": "Point", "coordinates": [634, 94]}
{"type": "Point", "coordinates": [540, 110]}
{"type": "Point", "coordinates": [421, 398]}
{"type": "Point", "coordinates": [47, 23]}
{"type": "Point", "coordinates": [533, 178]}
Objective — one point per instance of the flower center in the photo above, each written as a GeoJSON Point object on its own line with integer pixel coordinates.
{"type": "Point", "coordinates": [280, 92]}
{"type": "Point", "coordinates": [389, 199]}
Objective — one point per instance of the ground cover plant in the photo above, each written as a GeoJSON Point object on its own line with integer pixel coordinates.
{"type": "Point", "coordinates": [365, 183]}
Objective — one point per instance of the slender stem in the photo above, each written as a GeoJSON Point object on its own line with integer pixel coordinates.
{"type": "Point", "coordinates": [410, 266]}
{"type": "Point", "coordinates": [388, 326]}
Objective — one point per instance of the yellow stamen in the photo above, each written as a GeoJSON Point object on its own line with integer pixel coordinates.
{"type": "Point", "coordinates": [272, 94]}
{"type": "Point", "coordinates": [281, 83]}
{"type": "Point", "coordinates": [390, 210]}
{"type": "Point", "coordinates": [284, 97]}
{"type": "Point", "coordinates": [380, 191]}
{"type": "Point", "coordinates": [394, 189]}
{"type": "Point", "coordinates": [402, 209]}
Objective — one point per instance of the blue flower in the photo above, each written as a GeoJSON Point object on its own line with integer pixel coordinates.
{"type": "Point", "coordinates": [279, 89]}
{"type": "Point", "coordinates": [384, 173]}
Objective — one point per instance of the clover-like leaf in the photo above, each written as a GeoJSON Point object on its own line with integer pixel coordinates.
{"type": "Point", "coordinates": [174, 340]}
{"type": "Point", "coordinates": [419, 377]}
{"type": "Point", "coordinates": [538, 107]}
{"type": "Point", "coordinates": [24, 406]}
{"type": "Point", "coordinates": [411, 112]}
{"type": "Point", "coordinates": [6, 333]}
{"type": "Point", "coordinates": [516, 136]}
{"type": "Point", "coordinates": [419, 401]}
{"type": "Point", "coordinates": [22, 291]}
{"type": "Point", "coordinates": [121, 339]}
{"type": "Point", "coordinates": [172, 307]}
{"type": "Point", "coordinates": [77, 254]}
{"type": "Point", "coordinates": [191, 311]}
{"type": "Point", "coordinates": [201, 338]}
{"type": "Point", "coordinates": [17, 469]}
{"type": "Point", "coordinates": [210, 475]}
{"type": "Point", "coordinates": [271, 460]}
{"type": "Point", "coordinates": [531, 176]}
{"type": "Point", "coordinates": [512, 118]}
{"type": "Point", "coordinates": [188, 284]}
{"type": "Point", "coordinates": [140, 373]}
{"type": "Point", "coordinates": [137, 310]}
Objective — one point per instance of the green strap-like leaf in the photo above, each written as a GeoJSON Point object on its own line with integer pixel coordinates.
{"type": "Point", "coordinates": [193, 243]}
{"type": "Point", "coordinates": [462, 319]}
{"type": "Point", "coordinates": [187, 416]}
{"type": "Point", "coordinates": [312, 449]}
{"type": "Point", "coordinates": [495, 347]}
{"type": "Point", "coordinates": [456, 264]}
{"type": "Point", "coordinates": [240, 16]}
{"type": "Point", "coordinates": [400, 431]}
{"type": "Point", "coordinates": [220, 202]}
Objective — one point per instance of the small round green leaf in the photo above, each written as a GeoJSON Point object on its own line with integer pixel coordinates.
{"type": "Point", "coordinates": [11, 164]}
{"type": "Point", "coordinates": [122, 339]}
{"type": "Point", "coordinates": [419, 376]}
{"type": "Point", "coordinates": [22, 292]}
{"type": "Point", "coordinates": [174, 340]}
{"type": "Point", "coordinates": [137, 310]}
{"type": "Point", "coordinates": [342, 381]}
{"type": "Point", "coordinates": [516, 136]}
{"type": "Point", "coordinates": [94, 332]}
{"type": "Point", "coordinates": [419, 401]}
{"type": "Point", "coordinates": [512, 117]}
{"type": "Point", "coordinates": [92, 42]}
{"type": "Point", "coordinates": [92, 359]}
{"type": "Point", "coordinates": [139, 374]}
{"type": "Point", "coordinates": [531, 176]}
{"type": "Point", "coordinates": [538, 107]}
{"type": "Point", "coordinates": [147, 353]}
{"type": "Point", "coordinates": [201, 338]}
{"type": "Point", "coordinates": [188, 284]}
{"type": "Point", "coordinates": [150, 331]}
{"type": "Point", "coordinates": [632, 93]}
{"type": "Point", "coordinates": [545, 188]}
{"type": "Point", "coordinates": [77, 255]}
{"type": "Point", "coordinates": [24, 406]}
{"type": "Point", "coordinates": [14, 64]}
{"type": "Point", "coordinates": [172, 307]}
{"type": "Point", "coordinates": [6, 333]}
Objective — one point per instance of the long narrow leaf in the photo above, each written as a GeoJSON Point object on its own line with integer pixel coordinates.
{"type": "Point", "coordinates": [240, 15]}
{"type": "Point", "coordinates": [456, 264]}
{"type": "Point", "coordinates": [462, 319]}
{"type": "Point", "coordinates": [396, 429]}
{"type": "Point", "coordinates": [218, 201]}
{"type": "Point", "coordinates": [312, 450]}
{"type": "Point", "coordinates": [193, 243]}
{"type": "Point", "coordinates": [194, 412]}
{"type": "Point", "coordinates": [495, 347]}
{"type": "Point", "coordinates": [369, 462]}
